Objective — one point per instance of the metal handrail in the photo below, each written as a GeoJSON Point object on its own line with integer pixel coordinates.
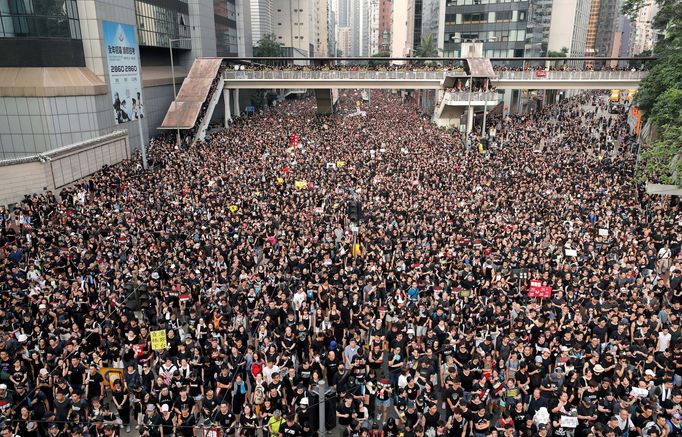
{"type": "Point", "coordinates": [426, 75]}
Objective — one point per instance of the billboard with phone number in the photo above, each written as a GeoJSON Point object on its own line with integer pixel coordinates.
{"type": "Point", "coordinates": [123, 59]}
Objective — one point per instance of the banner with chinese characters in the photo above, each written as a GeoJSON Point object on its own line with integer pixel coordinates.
{"type": "Point", "coordinates": [123, 59]}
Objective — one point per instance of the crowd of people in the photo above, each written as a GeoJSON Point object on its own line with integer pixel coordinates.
{"type": "Point", "coordinates": [418, 317]}
{"type": "Point", "coordinates": [456, 66]}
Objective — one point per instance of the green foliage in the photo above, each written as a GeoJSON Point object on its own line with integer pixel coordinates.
{"type": "Point", "coordinates": [427, 48]}
{"type": "Point", "coordinates": [660, 94]}
{"type": "Point", "coordinates": [662, 163]}
{"type": "Point", "coordinates": [665, 74]}
{"type": "Point", "coordinates": [667, 110]}
{"type": "Point", "coordinates": [382, 54]}
{"type": "Point", "coordinates": [553, 54]}
{"type": "Point", "coordinates": [268, 47]}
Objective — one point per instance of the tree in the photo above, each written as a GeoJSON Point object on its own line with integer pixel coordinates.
{"type": "Point", "coordinates": [268, 47]}
{"type": "Point", "coordinates": [427, 48]}
{"type": "Point", "coordinates": [381, 54]}
{"type": "Point", "coordinates": [660, 94]}
{"type": "Point", "coordinates": [554, 54]}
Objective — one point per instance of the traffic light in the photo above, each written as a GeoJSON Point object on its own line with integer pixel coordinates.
{"type": "Point", "coordinates": [354, 211]}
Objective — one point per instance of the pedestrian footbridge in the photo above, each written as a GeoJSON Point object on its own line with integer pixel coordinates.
{"type": "Point", "coordinates": [211, 78]}
{"type": "Point", "coordinates": [401, 79]}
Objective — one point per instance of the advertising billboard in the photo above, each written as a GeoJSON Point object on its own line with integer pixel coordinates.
{"type": "Point", "coordinates": [123, 58]}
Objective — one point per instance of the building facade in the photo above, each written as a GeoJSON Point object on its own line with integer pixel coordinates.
{"type": "Point", "coordinates": [294, 24]}
{"type": "Point", "coordinates": [642, 35]}
{"type": "Point", "coordinates": [261, 19]}
{"type": "Point", "coordinates": [322, 33]}
{"type": "Point", "coordinates": [569, 25]}
{"type": "Point", "coordinates": [344, 41]}
{"type": "Point", "coordinates": [55, 72]}
{"type": "Point", "coordinates": [385, 22]}
{"type": "Point", "coordinates": [500, 26]}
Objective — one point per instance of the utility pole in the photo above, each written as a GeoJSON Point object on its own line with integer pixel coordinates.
{"type": "Point", "coordinates": [322, 417]}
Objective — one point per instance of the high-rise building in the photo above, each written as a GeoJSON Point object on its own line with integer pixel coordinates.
{"type": "Point", "coordinates": [537, 29]}
{"type": "Point", "coordinates": [500, 26]}
{"type": "Point", "coordinates": [374, 35]}
{"type": "Point", "coordinates": [604, 28]}
{"type": "Point", "coordinates": [429, 19]}
{"type": "Point", "coordinates": [642, 35]}
{"type": "Point", "coordinates": [331, 30]}
{"type": "Point", "coordinates": [401, 25]}
{"type": "Point", "coordinates": [261, 19]}
{"type": "Point", "coordinates": [294, 24]}
{"type": "Point", "coordinates": [344, 41]}
{"type": "Point", "coordinates": [244, 33]}
{"type": "Point", "coordinates": [568, 28]}
{"type": "Point", "coordinates": [58, 72]}
{"type": "Point", "coordinates": [385, 22]}
{"type": "Point", "coordinates": [322, 30]}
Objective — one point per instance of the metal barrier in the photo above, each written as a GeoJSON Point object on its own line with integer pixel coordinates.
{"type": "Point", "coordinates": [570, 75]}
{"type": "Point", "coordinates": [476, 96]}
{"type": "Point", "coordinates": [428, 75]}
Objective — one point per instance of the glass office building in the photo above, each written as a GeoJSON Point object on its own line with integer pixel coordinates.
{"type": "Point", "coordinates": [37, 33]}
{"type": "Point", "coordinates": [501, 26]}
{"type": "Point", "coordinates": [161, 20]}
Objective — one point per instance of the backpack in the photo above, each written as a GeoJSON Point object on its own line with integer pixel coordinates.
{"type": "Point", "coordinates": [259, 395]}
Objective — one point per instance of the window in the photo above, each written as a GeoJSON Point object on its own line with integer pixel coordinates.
{"type": "Point", "coordinates": [474, 18]}
{"type": "Point", "coordinates": [522, 15]}
{"type": "Point", "coordinates": [503, 16]}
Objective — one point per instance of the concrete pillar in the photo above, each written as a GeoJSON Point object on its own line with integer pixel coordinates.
{"type": "Point", "coordinates": [228, 112]}
{"type": "Point", "coordinates": [235, 97]}
{"type": "Point", "coordinates": [470, 119]}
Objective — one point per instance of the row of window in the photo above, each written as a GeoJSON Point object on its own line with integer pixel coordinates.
{"type": "Point", "coordinates": [479, 2]}
{"type": "Point", "coordinates": [43, 19]}
{"type": "Point", "coordinates": [489, 36]}
{"type": "Point", "coordinates": [486, 17]}
{"type": "Point", "coordinates": [156, 25]}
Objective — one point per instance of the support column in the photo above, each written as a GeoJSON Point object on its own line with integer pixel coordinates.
{"type": "Point", "coordinates": [226, 102]}
{"type": "Point", "coordinates": [235, 98]}
{"type": "Point", "coordinates": [470, 119]}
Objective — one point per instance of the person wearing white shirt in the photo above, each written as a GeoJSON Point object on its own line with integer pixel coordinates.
{"type": "Point", "coordinates": [664, 338]}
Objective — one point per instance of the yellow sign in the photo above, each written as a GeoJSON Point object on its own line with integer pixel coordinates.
{"type": "Point", "coordinates": [158, 340]}
{"type": "Point", "coordinates": [111, 375]}
{"type": "Point", "coordinates": [357, 250]}
{"type": "Point", "coordinates": [340, 163]}
{"type": "Point", "coordinates": [280, 181]}
{"type": "Point", "coordinates": [234, 208]}
{"type": "Point", "coordinates": [301, 184]}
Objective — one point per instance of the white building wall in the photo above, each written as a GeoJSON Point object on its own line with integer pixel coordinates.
{"type": "Point", "coordinates": [261, 19]}
{"type": "Point", "coordinates": [293, 23]}
{"type": "Point", "coordinates": [400, 45]}
{"type": "Point", "coordinates": [568, 26]}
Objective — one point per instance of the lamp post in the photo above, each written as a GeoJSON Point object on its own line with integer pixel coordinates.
{"type": "Point", "coordinates": [175, 92]}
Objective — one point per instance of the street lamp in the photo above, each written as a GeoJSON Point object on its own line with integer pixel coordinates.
{"type": "Point", "coordinates": [175, 92]}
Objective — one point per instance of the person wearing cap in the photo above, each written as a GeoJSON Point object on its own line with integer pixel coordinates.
{"type": "Point", "coordinates": [168, 422]}
{"type": "Point", "coordinates": [187, 421]}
